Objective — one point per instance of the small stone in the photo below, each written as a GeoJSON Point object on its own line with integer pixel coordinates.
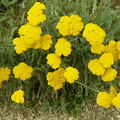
{"type": "Point", "coordinates": [112, 118]}
{"type": "Point", "coordinates": [71, 118]}
{"type": "Point", "coordinates": [53, 118]}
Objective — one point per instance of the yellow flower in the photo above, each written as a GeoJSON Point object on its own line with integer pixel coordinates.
{"type": "Point", "coordinates": [37, 44]}
{"type": "Point", "coordinates": [96, 67]}
{"type": "Point", "coordinates": [70, 25]}
{"type": "Point", "coordinates": [97, 48]}
{"type": "Point", "coordinates": [112, 48]}
{"type": "Point", "coordinates": [18, 96]}
{"type": "Point", "coordinates": [46, 41]}
{"type": "Point", "coordinates": [109, 74]}
{"type": "Point", "coordinates": [106, 60]}
{"type": "Point", "coordinates": [116, 101]}
{"type": "Point", "coordinates": [53, 60]}
{"type": "Point", "coordinates": [112, 44]}
{"type": "Point", "coordinates": [31, 33]}
{"type": "Point", "coordinates": [20, 44]}
{"type": "Point", "coordinates": [93, 33]}
{"type": "Point", "coordinates": [104, 99]}
{"type": "Point", "coordinates": [71, 74]}
{"type": "Point", "coordinates": [118, 46]}
{"type": "Point", "coordinates": [56, 78]}
{"type": "Point", "coordinates": [63, 47]}
{"type": "Point", "coordinates": [113, 92]}
{"type": "Point", "coordinates": [4, 74]}
{"type": "Point", "coordinates": [35, 14]}
{"type": "Point", "coordinates": [22, 71]}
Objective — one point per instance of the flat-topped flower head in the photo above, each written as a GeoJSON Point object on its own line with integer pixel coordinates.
{"type": "Point", "coordinates": [46, 41]}
{"type": "Point", "coordinates": [22, 71]}
{"type": "Point", "coordinates": [104, 99]}
{"type": "Point", "coordinates": [35, 14]}
{"type": "Point", "coordinates": [71, 74]}
{"type": "Point", "coordinates": [63, 47]}
{"type": "Point", "coordinates": [106, 60]}
{"type": "Point", "coordinates": [31, 33]}
{"type": "Point", "coordinates": [112, 48]}
{"type": "Point", "coordinates": [109, 74]}
{"type": "Point", "coordinates": [43, 43]}
{"type": "Point", "coordinates": [18, 96]}
{"type": "Point", "coordinates": [96, 67]}
{"type": "Point", "coordinates": [97, 48]}
{"type": "Point", "coordinates": [93, 33]}
{"type": "Point", "coordinates": [4, 74]}
{"type": "Point", "coordinates": [56, 78]}
{"type": "Point", "coordinates": [20, 44]}
{"type": "Point", "coordinates": [70, 25]}
{"type": "Point", "coordinates": [116, 101]}
{"type": "Point", "coordinates": [53, 60]}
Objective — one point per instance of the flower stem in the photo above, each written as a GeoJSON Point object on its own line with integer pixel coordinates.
{"type": "Point", "coordinates": [86, 86]}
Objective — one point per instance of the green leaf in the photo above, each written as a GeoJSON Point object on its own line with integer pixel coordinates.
{"type": "Point", "coordinates": [12, 2]}
{"type": "Point", "coordinates": [98, 19]}
{"type": "Point", "coordinates": [106, 17]}
{"type": "Point", "coordinates": [3, 18]}
{"type": "Point", "coordinates": [83, 6]}
{"type": "Point", "coordinates": [4, 2]}
{"type": "Point", "coordinates": [94, 7]}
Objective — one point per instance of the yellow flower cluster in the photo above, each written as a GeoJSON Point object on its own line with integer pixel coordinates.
{"type": "Point", "coordinates": [109, 74]}
{"type": "Point", "coordinates": [102, 66]}
{"type": "Point", "coordinates": [95, 36]}
{"type": "Point", "coordinates": [30, 33]}
{"type": "Point", "coordinates": [56, 78]}
{"type": "Point", "coordinates": [106, 99]}
{"type": "Point", "coordinates": [106, 60]}
{"type": "Point", "coordinates": [22, 71]}
{"type": "Point", "coordinates": [18, 96]}
{"type": "Point", "coordinates": [53, 60]}
{"type": "Point", "coordinates": [63, 47]}
{"type": "Point", "coordinates": [71, 74]}
{"type": "Point", "coordinates": [70, 25]}
{"type": "Point", "coordinates": [67, 26]}
{"type": "Point", "coordinates": [113, 48]}
{"type": "Point", "coordinates": [93, 33]}
{"type": "Point", "coordinates": [97, 48]}
{"type": "Point", "coordinates": [96, 67]}
{"type": "Point", "coordinates": [4, 74]}
{"type": "Point", "coordinates": [35, 14]}
{"type": "Point", "coordinates": [116, 101]}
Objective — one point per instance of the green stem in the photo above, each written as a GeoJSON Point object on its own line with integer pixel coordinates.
{"type": "Point", "coordinates": [86, 86]}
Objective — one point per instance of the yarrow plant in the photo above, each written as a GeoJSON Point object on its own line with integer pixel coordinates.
{"type": "Point", "coordinates": [56, 52]}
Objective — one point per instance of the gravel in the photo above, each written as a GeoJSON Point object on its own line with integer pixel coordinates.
{"type": "Point", "coordinates": [90, 111]}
